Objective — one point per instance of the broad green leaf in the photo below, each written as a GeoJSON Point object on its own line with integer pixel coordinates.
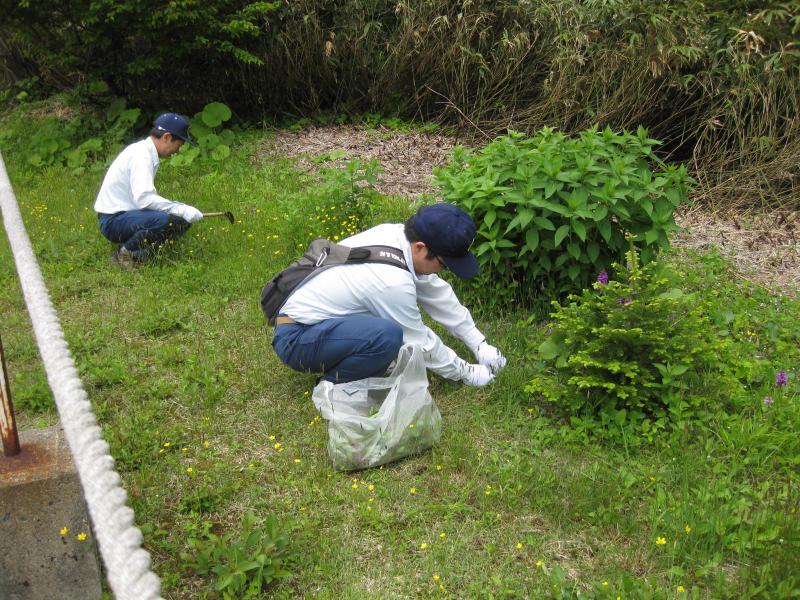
{"type": "Point", "coordinates": [605, 230]}
{"type": "Point", "coordinates": [560, 234]}
{"type": "Point", "coordinates": [531, 239]}
{"type": "Point", "coordinates": [600, 213]}
{"type": "Point", "coordinates": [525, 216]}
{"type": "Point", "coordinates": [550, 348]}
{"type": "Point", "coordinates": [580, 229]}
{"type": "Point", "coordinates": [574, 250]}
{"type": "Point", "coordinates": [209, 142]}
{"type": "Point", "coordinates": [221, 152]}
{"type": "Point", "coordinates": [490, 217]}
{"type": "Point", "coordinates": [573, 271]}
{"type": "Point", "coordinates": [593, 251]}
{"type": "Point", "coordinates": [544, 223]}
{"type": "Point", "coordinates": [215, 113]}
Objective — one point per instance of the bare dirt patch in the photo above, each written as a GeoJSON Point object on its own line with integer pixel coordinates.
{"type": "Point", "coordinates": [764, 245]}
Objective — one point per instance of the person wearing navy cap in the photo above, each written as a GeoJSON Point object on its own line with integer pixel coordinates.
{"type": "Point", "coordinates": [129, 209]}
{"type": "Point", "coordinates": [350, 321]}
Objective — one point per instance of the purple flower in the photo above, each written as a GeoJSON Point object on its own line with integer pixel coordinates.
{"type": "Point", "coordinates": [602, 278]}
{"type": "Point", "coordinates": [781, 379]}
{"type": "Point", "coordinates": [768, 400]}
{"type": "Point", "coordinates": [624, 301]}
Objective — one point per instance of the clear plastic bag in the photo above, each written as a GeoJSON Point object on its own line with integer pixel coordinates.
{"type": "Point", "coordinates": [380, 419]}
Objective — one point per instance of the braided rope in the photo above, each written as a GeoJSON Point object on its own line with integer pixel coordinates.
{"type": "Point", "coordinates": [120, 541]}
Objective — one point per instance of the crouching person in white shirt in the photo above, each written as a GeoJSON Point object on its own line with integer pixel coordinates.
{"type": "Point", "coordinates": [128, 207]}
{"type": "Point", "coordinates": [349, 321]}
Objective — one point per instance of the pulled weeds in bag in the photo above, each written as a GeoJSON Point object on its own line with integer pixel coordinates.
{"type": "Point", "coordinates": [380, 419]}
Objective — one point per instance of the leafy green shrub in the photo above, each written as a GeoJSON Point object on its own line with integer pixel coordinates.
{"type": "Point", "coordinates": [635, 352]}
{"type": "Point", "coordinates": [552, 211]}
{"type": "Point", "coordinates": [93, 138]}
{"type": "Point", "coordinates": [242, 565]}
{"type": "Point", "coordinates": [86, 140]}
{"type": "Point", "coordinates": [212, 140]}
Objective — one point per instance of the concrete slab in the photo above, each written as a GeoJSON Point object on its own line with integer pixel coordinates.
{"type": "Point", "coordinates": [40, 496]}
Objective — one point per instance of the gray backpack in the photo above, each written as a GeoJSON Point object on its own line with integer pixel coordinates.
{"type": "Point", "coordinates": [321, 255]}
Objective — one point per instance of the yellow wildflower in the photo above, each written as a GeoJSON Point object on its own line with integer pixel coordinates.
{"type": "Point", "coordinates": [687, 529]}
{"type": "Point", "coordinates": [64, 531]}
{"type": "Point", "coordinates": [423, 546]}
{"type": "Point", "coordinates": [681, 589]}
{"type": "Point", "coordinates": [660, 541]}
{"type": "Point", "coordinates": [81, 536]}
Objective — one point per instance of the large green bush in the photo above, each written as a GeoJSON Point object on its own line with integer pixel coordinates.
{"type": "Point", "coordinates": [552, 211]}
{"type": "Point", "coordinates": [636, 352]}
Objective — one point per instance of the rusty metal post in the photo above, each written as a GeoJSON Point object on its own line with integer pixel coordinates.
{"type": "Point", "coordinates": [8, 425]}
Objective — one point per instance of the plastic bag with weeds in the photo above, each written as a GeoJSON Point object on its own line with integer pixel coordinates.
{"type": "Point", "coordinates": [380, 419]}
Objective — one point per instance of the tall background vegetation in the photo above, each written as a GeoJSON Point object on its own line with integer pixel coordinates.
{"type": "Point", "coordinates": [717, 80]}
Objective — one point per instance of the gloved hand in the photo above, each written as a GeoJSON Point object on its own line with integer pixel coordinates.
{"type": "Point", "coordinates": [190, 213]}
{"type": "Point", "coordinates": [490, 356]}
{"type": "Point", "coordinates": [477, 375]}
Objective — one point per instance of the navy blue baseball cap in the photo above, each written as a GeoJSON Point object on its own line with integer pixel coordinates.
{"type": "Point", "coordinates": [448, 232]}
{"type": "Point", "coordinates": [175, 124]}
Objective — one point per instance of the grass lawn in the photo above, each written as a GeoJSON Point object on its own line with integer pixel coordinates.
{"type": "Point", "coordinates": [206, 424]}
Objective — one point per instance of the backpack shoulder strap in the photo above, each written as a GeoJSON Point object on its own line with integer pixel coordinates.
{"type": "Point", "coordinates": [386, 255]}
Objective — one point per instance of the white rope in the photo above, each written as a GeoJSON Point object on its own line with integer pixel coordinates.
{"type": "Point", "coordinates": [127, 563]}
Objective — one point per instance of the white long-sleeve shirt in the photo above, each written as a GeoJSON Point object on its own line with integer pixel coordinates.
{"type": "Point", "coordinates": [129, 183]}
{"type": "Point", "coordinates": [392, 293]}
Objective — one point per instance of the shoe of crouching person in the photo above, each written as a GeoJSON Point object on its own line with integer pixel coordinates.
{"type": "Point", "coordinates": [124, 258]}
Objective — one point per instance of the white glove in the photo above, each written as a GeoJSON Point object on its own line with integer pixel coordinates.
{"type": "Point", "coordinates": [477, 375]}
{"type": "Point", "coordinates": [490, 356]}
{"type": "Point", "coordinates": [190, 213]}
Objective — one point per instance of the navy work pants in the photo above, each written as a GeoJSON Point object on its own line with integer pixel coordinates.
{"type": "Point", "coordinates": [142, 231]}
{"type": "Point", "coordinates": [343, 349]}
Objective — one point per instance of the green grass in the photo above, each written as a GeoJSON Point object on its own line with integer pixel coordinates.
{"type": "Point", "coordinates": [511, 503]}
